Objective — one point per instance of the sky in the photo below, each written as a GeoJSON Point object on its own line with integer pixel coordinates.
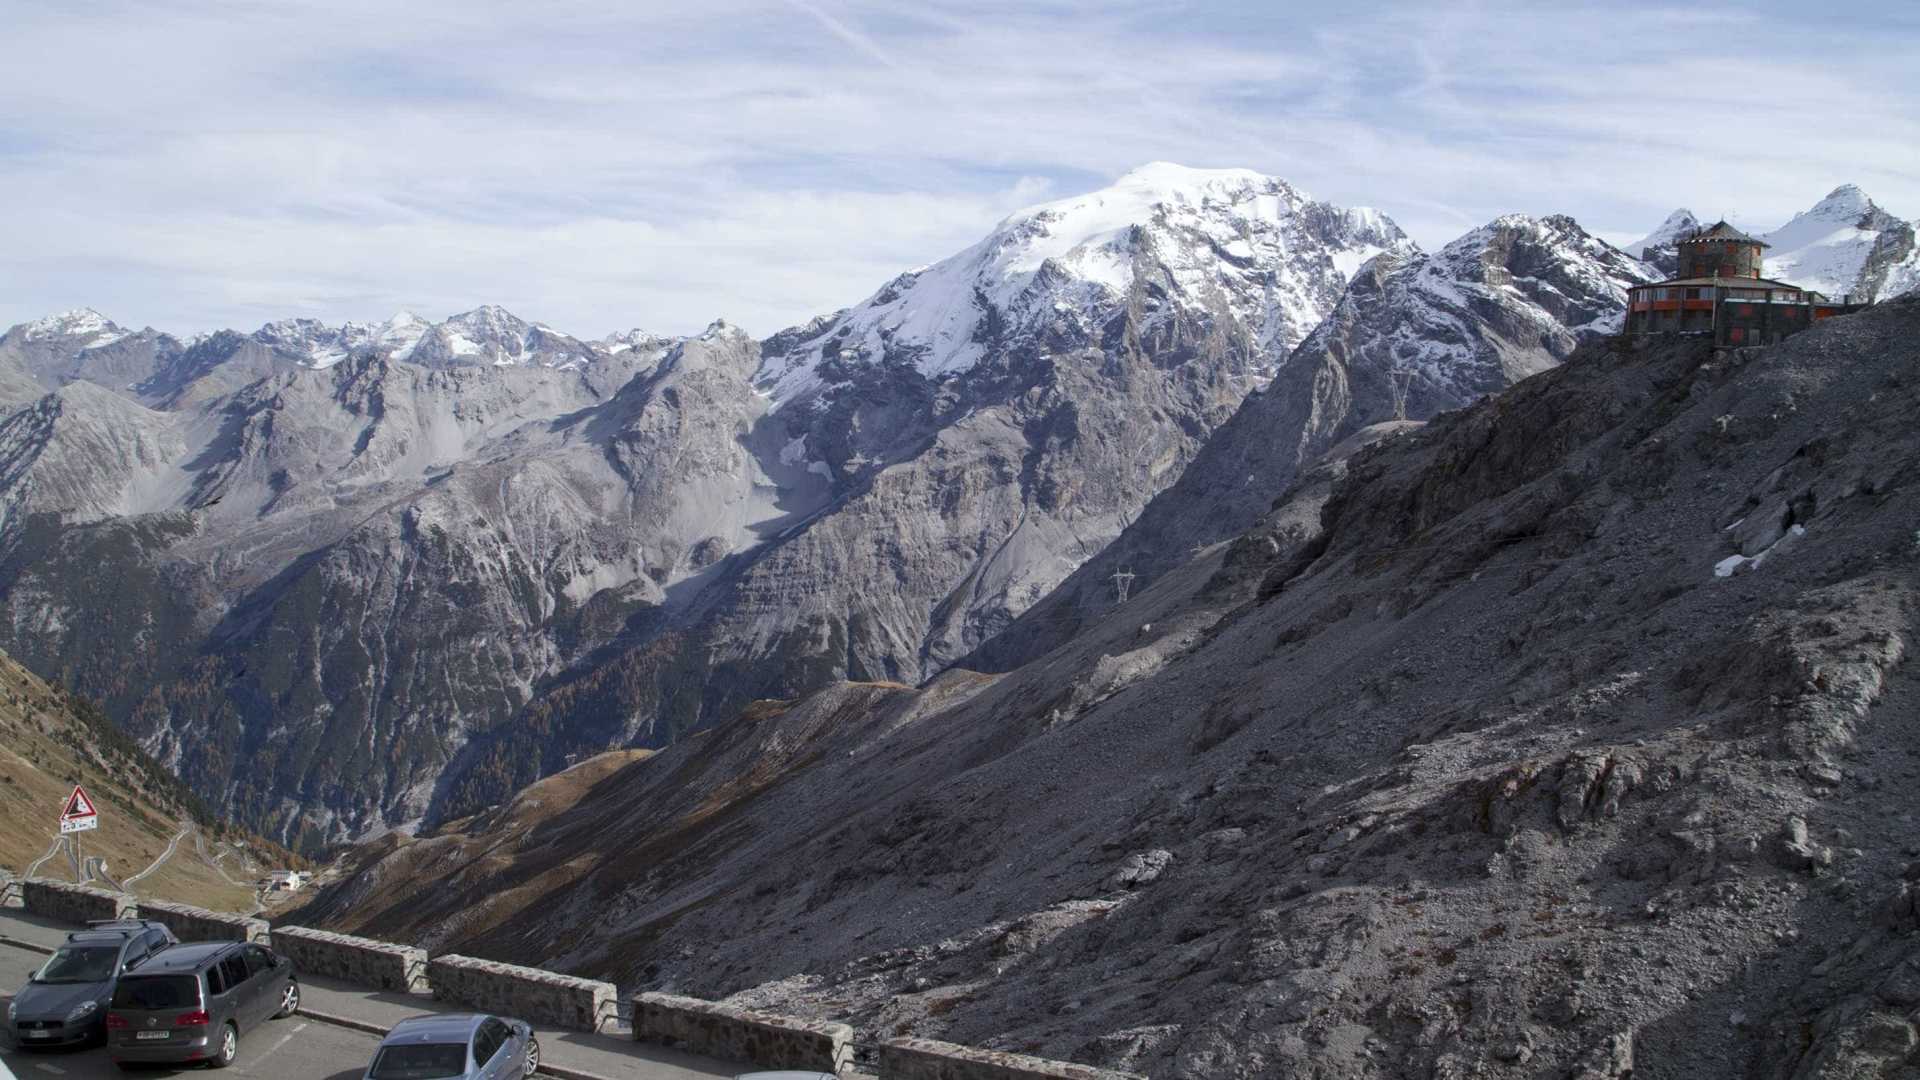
{"type": "Point", "coordinates": [605, 166]}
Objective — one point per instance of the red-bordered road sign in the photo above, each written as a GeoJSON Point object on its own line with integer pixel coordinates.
{"type": "Point", "coordinates": [80, 815]}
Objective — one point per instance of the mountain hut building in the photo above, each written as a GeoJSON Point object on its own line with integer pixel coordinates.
{"type": "Point", "coordinates": [1719, 290]}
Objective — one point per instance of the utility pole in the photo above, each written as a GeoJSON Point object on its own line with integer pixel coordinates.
{"type": "Point", "coordinates": [1402, 383]}
{"type": "Point", "coordinates": [1122, 582]}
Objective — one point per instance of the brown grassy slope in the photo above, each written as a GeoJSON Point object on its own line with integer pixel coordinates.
{"type": "Point", "coordinates": [483, 846]}
{"type": "Point", "coordinates": [50, 741]}
{"type": "Point", "coordinates": [615, 820]}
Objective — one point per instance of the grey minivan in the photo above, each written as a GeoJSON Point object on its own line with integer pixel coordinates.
{"type": "Point", "coordinates": [192, 1003]}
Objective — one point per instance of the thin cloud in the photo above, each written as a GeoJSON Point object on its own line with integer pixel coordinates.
{"type": "Point", "coordinates": [860, 42]}
{"type": "Point", "coordinates": [602, 166]}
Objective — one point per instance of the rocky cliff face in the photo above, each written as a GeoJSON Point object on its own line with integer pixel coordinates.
{"type": "Point", "coordinates": [981, 427]}
{"type": "Point", "coordinates": [306, 593]}
{"type": "Point", "coordinates": [376, 573]}
{"type": "Point", "coordinates": [1568, 734]}
{"type": "Point", "coordinates": [1412, 337]}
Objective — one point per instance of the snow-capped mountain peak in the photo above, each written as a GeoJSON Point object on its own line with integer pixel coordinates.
{"type": "Point", "coordinates": [85, 327]}
{"type": "Point", "coordinates": [401, 333]}
{"type": "Point", "coordinates": [1230, 243]}
{"type": "Point", "coordinates": [1551, 279]}
{"type": "Point", "coordinates": [636, 341]}
{"type": "Point", "coordinates": [1650, 247]}
{"type": "Point", "coordinates": [489, 334]}
{"type": "Point", "coordinates": [1845, 245]}
{"type": "Point", "coordinates": [315, 344]}
{"type": "Point", "coordinates": [1844, 203]}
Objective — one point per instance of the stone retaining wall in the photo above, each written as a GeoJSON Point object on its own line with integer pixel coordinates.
{"type": "Point", "coordinates": [359, 960]}
{"type": "Point", "coordinates": [198, 924]}
{"type": "Point", "coordinates": [732, 1034]}
{"type": "Point", "coordinates": [77, 904]}
{"type": "Point", "coordinates": [530, 994]}
{"type": "Point", "coordinates": [926, 1059]}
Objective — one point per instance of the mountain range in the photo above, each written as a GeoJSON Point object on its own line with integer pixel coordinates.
{"type": "Point", "coordinates": [374, 577]}
{"type": "Point", "coordinates": [1567, 734]}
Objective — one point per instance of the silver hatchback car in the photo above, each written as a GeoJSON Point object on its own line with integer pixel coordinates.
{"type": "Point", "coordinates": [461, 1046]}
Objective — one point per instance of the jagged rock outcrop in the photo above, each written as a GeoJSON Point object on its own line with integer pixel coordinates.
{"type": "Point", "coordinates": [1412, 337]}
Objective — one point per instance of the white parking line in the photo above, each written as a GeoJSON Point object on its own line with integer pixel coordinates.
{"type": "Point", "coordinates": [284, 1040]}
{"type": "Point", "coordinates": [54, 1069]}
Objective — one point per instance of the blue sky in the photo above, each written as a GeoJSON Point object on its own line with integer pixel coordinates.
{"type": "Point", "coordinates": [600, 166]}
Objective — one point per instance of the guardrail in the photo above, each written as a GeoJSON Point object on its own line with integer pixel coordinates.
{"type": "Point", "coordinates": [530, 994]}
{"type": "Point", "coordinates": [190, 923]}
{"type": "Point", "coordinates": [735, 1034]}
{"type": "Point", "coordinates": [358, 960]}
{"type": "Point", "coordinates": [80, 904]}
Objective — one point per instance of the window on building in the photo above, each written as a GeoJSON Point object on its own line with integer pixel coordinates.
{"type": "Point", "coordinates": [1736, 334]}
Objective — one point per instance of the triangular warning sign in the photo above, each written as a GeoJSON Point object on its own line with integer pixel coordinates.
{"type": "Point", "coordinates": [78, 805]}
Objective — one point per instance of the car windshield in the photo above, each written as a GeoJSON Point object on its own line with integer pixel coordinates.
{"type": "Point", "coordinates": [157, 992]}
{"type": "Point", "coordinates": [79, 964]}
{"type": "Point", "coordinates": [420, 1061]}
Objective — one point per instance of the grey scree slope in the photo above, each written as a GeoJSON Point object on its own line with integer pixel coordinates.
{"type": "Point", "coordinates": [1462, 761]}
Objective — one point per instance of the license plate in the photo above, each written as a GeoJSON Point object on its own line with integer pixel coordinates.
{"type": "Point", "coordinates": [149, 1034]}
{"type": "Point", "coordinates": [37, 1034]}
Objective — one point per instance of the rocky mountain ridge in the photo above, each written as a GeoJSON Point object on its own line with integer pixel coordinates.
{"type": "Point", "coordinates": [1412, 338]}
{"type": "Point", "coordinates": [1846, 245]}
{"type": "Point", "coordinates": [1227, 251]}
{"type": "Point", "coordinates": [1567, 734]}
{"type": "Point", "coordinates": [447, 564]}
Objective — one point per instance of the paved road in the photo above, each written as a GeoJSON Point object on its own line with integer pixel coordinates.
{"type": "Point", "coordinates": [213, 860]}
{"type": "Point", "coordinates": [172, 845]}
{"type": "Point", "coordinates": [290, 1049]}
{"type": "Point", "coordinates": [58, 843]}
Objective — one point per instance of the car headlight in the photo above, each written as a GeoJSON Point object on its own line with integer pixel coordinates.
{"type": "Point", "coordinates": [82, 1011]}
{"type": "Point", "coordinates": [12, 1010]}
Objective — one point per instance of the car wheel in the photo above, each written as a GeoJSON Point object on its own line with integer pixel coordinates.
{"type": "Point", "coordinates": [289, 1002]}
{"type": "Point", "coordinates": [229, 1047]}
{"type": "Point", "coordinates": [533, 1055]}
